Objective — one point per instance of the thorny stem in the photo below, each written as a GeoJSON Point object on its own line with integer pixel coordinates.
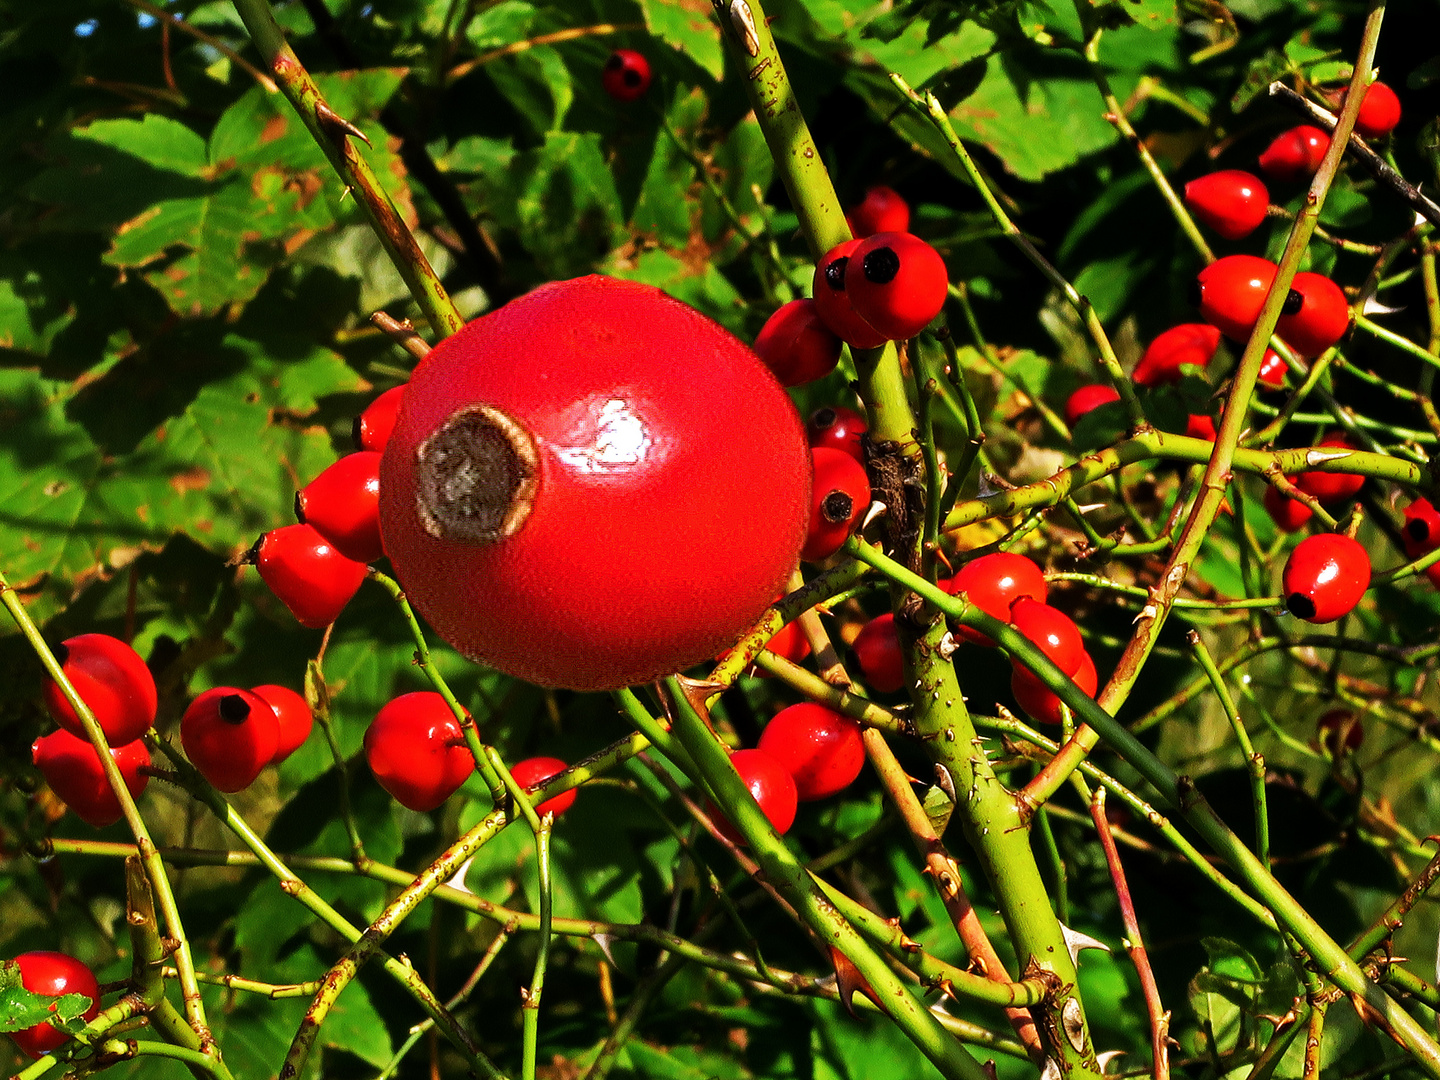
{"type": "Point", "coordinates": [333, 134]}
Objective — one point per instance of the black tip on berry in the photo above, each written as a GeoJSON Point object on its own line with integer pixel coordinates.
{"type": "Point", "coordinates": [252, 553]}
{"type": "Point", "coordinates": [233, 709]}
{"type": "Point", "coordinates": [1418, 530]}
{"type": "Point", "coordinates": [824, 418]}
{"type": "Point", "coordinates": [1294, 301]}
{"type": "Point", "coordinates": [356, 433]}
{"type": "Point", "coordinates": [615, 61]}
{"type": "Point", "coordinates": [631, 77]}
{"type": "Point", "coordinates": [835, 273]}
{"type": "Point", "coordinates": [1301, 605]}
{"type": "Point", "coordinates": [837, 507]}
{"type": "Point", "coordinates": [299, 508]}
{"type": "Point", "coordinates": [881, 266]}
{"type": "Point", "coordinates": [62, 652]}
{"type": "Point", "coordinates": [1194, 293]}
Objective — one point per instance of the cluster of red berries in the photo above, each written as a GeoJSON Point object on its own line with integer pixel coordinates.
{"type": "Point", "coordinates": [417, 753]}
{"type": "Point", "coordinates": [806, 753]}
{"type": "Point", "coordinates": [229, 735]}
{"type": "Point", "coordinates": [53, 974]}
{"type": "Point", "coordinates": [1329, 489]}
{"type": "Point", "coordinates": [1296, 153]}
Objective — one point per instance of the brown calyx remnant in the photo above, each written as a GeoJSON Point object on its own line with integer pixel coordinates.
{"type": "Point", "coordinates": [476, 476]}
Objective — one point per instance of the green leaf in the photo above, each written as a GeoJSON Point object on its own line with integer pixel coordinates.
{"type": "Point", "coordinates": [567, 207]}
{"type": "Point", "coordinates": [156, 140]}
{"type": "Point", "coordinates": [664, 207]}
{"type": "Point", "coordinates": [689, 27]}
{"type": "Point", "coordinates": [20, 1009]}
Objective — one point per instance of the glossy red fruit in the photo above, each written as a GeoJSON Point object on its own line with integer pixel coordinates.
{"type": "Point", "coordinates": [342, 504]}
{"type": "Point", "coordinates": [1200, 426]}
{"type": "Point", "coordinates": [1295, 154]}
{"type": "Point", "coordinates": [1421, 530]}
{"type": "Point", "coordinates": [1321, 319]}
{"type": "Point", "coordinates": [1379, 112]}
{"type": "Point", "coordinates": [820, 749]}
{"type": "Point", "coordinates": [111, 679]}
{"type": "Point", "coordinates": [1340, 731]}
{"type": "Point", "coordinates": [832, 300]}
{"type": "Point", "coordinates": [839, 497]}
{"type": "Point", "coordinates": [606, 406]}
{"type": "Point", "coordinates": [416, 750]}
{"type": "Point", "coordinates": [1087, 399]}
{"type": "Point", "coordinates": [882, 210]}
{"type": "Point", "coordinates": [53, 974]}
{"type": "Point", "coordinates": [626, 75]}
{"type": "Point", "coordinates": [1331, 488]}
{"type": "Point", "coordinates": [1232, 202]}
{"type": "Point", "coordinates": [897, 283]}
{"type": "Point", "coordinates": [877, 651]}
{"type": "Point", "coordinates": [292, 713]}
{"type": "Point", "coordinates": [1325, 577]}
{"type": "Point", "coordinates": [307, 573]}
{"type": "Point", "coordinates": [374, 425]}
{"type": "Point", "coordinates": [770, 785]}
{"type": "Point", "coordinates": [796, 345]}
{"type": "Point", "coordinates": [838, 428]}
{"type": "Point", "coordinates": [1042, 704]}
{"type": "Point", "coordinates": [536, 770]}
{"type": "Point", "coordinates": [1052, 630]}
{"type": "Point", "coordinates": [72, 769]}
{"type": "Point", "coordinates": [1272, 370]}
{"type": "Point", "coordinates": [1189, 343]}
{"type": "Point", "coordinates": [1289, 514]}
{"type": "Point", "coordinates": [1232, 292]}
{"type": "Point", "coordinates": [993, 583]}
{"type": "Point", "coordinates": [229, 735]}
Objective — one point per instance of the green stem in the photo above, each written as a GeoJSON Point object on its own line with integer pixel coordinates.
{"type": "Point", "coordinates": [1254, 762]}
{"type": "Point", "coordinates": [333, 135]}
{"type": "Point", "coordinates": [530, 1002]}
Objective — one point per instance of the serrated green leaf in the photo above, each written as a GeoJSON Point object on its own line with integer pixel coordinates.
{"type": "Point", "coordinates": [687, 26]}
{"type": "Point", "coordinates": [664, 207]}
{"type": "Point", "coordinates": [568, 209]}
{"type": "Point", "coordinates": [156, 140]}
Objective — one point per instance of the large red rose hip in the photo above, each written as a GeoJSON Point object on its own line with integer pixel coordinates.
{"type": "Point", "coordinates": [593, 486]}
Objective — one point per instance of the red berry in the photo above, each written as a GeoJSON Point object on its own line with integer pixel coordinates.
{"type": "Point", "coordinates": [1232, 202]}
{"type": "Point", "coordinates": [112, 680]}
{"type": "Point", "coordinates": [1330, 488]}
{"type": "Point", "coordinates": [1272, 369]}
{"type": "Point", "coordinates": [1042, 704]}
{"type": "Point", "coordinates": [820, 749]}
{"type": "Point", "coordinates": [882, 210]}
{"type": "Point", "coordinates": [838, 428]}
{"type": "Point", "coordinates": [1325, 577]}
{"type": "Point", "coordinates": [53, 974]}
{"type": "Point", "coordinates": [1379, 112]}
{"type": "Point", "coordinates": [342, 504]}
{"type": "Point", "coordinates": [229, 735]}
{"type": "Point", "coordinates": [373, 426]}
{"type": "Point", "coordinates": [832, 300]}
{"type": "Point", "coordinates": [1188, 343]}
{"type": "Point", "coordinates": [626, 75]}
{"type": "Point", "coordinates": [1321, 318]}
{"type": "Point", "coordinates": [993, 583]}
{"type": "Point", "coordinates": [1340, 731]}
{"type": "Point", "coordinates": [601, 421]}
{"type": "Point", "coordinates": [1232, 292]}
{"type": "Point", "coordinates": [73, 771]}
{"type": "Point", "coordinates": [839, 496]}
{"type": "Point", "coordinates": [770, 785]}
{"type": "Point", "coordinates": [307, 573]}
{"type": "Point", "coordinates": [1295, 154]}
{"type": "Point", "coordinates": [416, 750]}
{"type": "Point", "coordinates": [1200, 427]}
{"type": "Point", "coordinates": [1289, 514]}
{"type": "Point", "coordinates": [536, 770]}
{"type": "Point", "coordinates": [877, 651]}
{"type": "Point", "coordinates": [1088, 398]}
{"type": "Point", "coordinates": [796, 345]}
{"type": "Point", "coordinates": [896, 283]}
{"type": "Point", "coordinates": [1421, 531]}
{"type": "Point", "coordinates": [1052, 630]}
{"type": "Point", "coordinates": [293, 714]}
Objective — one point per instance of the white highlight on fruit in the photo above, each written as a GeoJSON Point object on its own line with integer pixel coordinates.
{"type": "Point", "coordinates": [612, 437]}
